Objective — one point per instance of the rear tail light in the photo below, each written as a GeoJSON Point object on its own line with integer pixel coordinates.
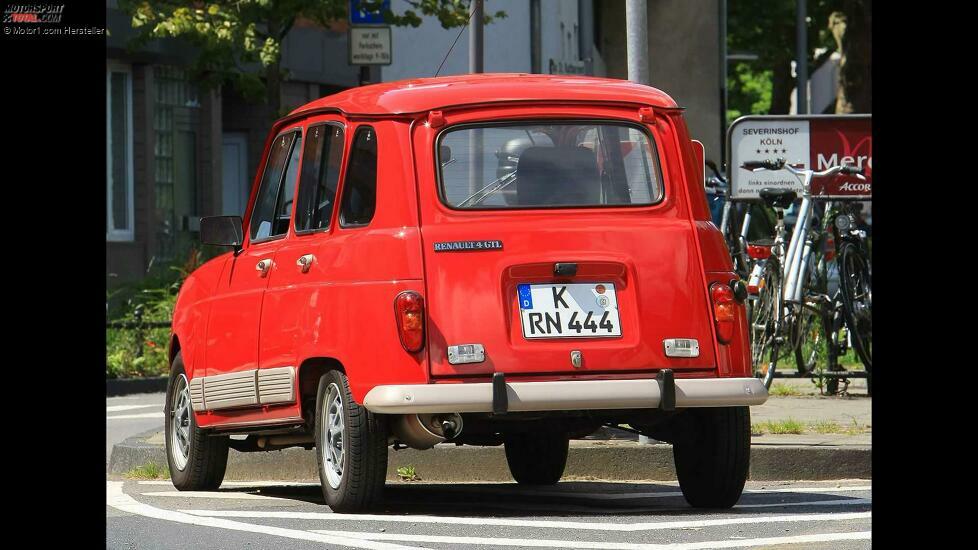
{"type": "Point", "coordinates": [724, 311]}
{"type": "Point", "coordinates": [759, 251]}
{"type": "Point", "coordinates": [409, 314]}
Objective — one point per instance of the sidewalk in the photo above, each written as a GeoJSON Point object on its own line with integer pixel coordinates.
{"type": "Point", "coordinates": [806, 456]}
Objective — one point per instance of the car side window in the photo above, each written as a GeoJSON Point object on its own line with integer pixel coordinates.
{"type": "Point", "coordinates": [318, 178]}
{"type": "Point", "coordinates": [360, 188]}
{"type": "Point", "coordinates": [283, 212]}
{"type": "Point", "coordinates": [268, 192]}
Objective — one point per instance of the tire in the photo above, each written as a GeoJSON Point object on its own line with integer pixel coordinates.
{"type": "Point", "coordinates": [357, 482]}
{"type": "Point", "coordinates": [712, 455]}
{"type": "Point", "coordinates": [200, 465]}
{"type": "Point", "coordinates": [811, 339]}
{"type": "Point", "coordinates": [536, 458]}
{"type": "Point", "coordinates": [856, 282]}
{"type": "Point", "coordinates": [766, 318]}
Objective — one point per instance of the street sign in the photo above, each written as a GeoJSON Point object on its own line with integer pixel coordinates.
{"type": "Point", "coordinates": [370, 45]}
{"type": "Point", "coordinates": [819, 141]}
{"type": "Point", "coordinates": [359, 15]}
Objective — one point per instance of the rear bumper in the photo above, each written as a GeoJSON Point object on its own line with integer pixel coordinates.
{"type": "Point", "coordinates": [563, 395]}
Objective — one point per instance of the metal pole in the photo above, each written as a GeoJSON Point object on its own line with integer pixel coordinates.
{"type": "Point", "coordinates": [475, 37]}
{"type": "Point", "coordinates": [476, 66]}
{"type": "Point", "coordinates": [801, 63]}
{"type": "Point", "coordinates": [637, 40]}
{"type": "Point", "coordinates": [723, 83]}
{"type": "Point", "coordinates": [536, 59]}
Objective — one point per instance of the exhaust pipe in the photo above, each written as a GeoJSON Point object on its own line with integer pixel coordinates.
{"type": "Point", "coordinates": [424, 431]}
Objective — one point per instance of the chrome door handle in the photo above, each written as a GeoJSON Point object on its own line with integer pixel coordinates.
{"type": "Point", "coordinates": [263, 266]}
{"type": "Point", "coordinates": [305, 262]}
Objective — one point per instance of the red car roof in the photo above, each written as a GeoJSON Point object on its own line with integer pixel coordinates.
{"type": "Point", "coordinates": [426, 94]}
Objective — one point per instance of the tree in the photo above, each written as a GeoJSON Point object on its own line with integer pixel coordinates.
{"type": "Point", "coordinates": [232, 36]}
{"type": "Point", "coordinates": [767, 28]}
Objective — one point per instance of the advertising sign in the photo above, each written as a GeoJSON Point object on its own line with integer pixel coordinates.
{"type": "Point", "coordinates": [816, 141]}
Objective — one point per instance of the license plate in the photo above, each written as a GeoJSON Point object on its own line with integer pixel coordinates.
{"type": "Point", "coordinates": [579, 310]}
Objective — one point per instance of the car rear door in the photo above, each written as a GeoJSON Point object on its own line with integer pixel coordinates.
{"type": "Point", "coordinates": [589, 253]}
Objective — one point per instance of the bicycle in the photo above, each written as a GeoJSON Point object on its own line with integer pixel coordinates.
{"type": "Point", "coordinates": [783, 276]}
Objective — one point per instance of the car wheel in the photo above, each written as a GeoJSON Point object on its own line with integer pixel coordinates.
{"type": "Point", "coordinates": [712, 455]}
{"type": "Point", "coordinates": [351, 447]}
{"type": "Point", "coordinates": [536, 458]}
{"type": "Point", "coordinates": [197, 460]}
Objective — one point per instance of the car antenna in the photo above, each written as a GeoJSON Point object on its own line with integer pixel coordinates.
{"type": "Point", "coordinates": [449, 52]}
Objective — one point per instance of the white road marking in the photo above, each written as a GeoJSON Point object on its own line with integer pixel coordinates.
{"type": "Point", "coordinates": [216, 494]}
{"type": "Point", "coordinates": [839, 502]}
{"type": "Point", "coordinates": [544, 524]}
{"type": "Point", "coordinates": [119, 500]}
{"type": "Point", "coordinates": [541, 543]}
{"type": "Point", "coordinates": [120, 408]}
{"type": "Point", "coordinates": [131, 416]}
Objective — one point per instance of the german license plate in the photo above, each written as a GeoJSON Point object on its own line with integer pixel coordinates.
{"type": "Point", "coordinates": [578, 310]}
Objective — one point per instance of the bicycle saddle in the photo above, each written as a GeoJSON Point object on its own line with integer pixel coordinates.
{"type": "Point", "coordinates": [777, 198]}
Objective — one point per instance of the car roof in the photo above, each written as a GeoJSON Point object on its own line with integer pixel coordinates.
{"type": "Point", "coordinates": [426, 94]}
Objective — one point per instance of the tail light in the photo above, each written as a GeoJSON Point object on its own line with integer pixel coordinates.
{"type": "Point", "coordinates": [409, 313]}
{"type": "Point", "coordinates": [759, 251]}
{"type": "Point", "coordinates": [724, 311]}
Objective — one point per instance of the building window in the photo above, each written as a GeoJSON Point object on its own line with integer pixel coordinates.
{"type": "Point", "coordinates": [118, 154]}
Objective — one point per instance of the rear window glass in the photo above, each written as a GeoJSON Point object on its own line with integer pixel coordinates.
{"type": "Point", "coordinates": [548, 165]}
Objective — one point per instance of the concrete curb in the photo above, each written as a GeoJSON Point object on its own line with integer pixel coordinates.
{"type": "Point", "coordinates": [115, 387]}
{"type": "Point", "coordinates": [614, 461]}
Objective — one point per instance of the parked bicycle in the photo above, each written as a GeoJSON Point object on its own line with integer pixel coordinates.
{"type": "Point", "coordinates": [791, 284]}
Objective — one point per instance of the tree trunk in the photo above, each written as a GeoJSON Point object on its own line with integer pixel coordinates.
{"type": "Point", "coordinates": [781, 85]}
{"type": "Point", "coordinates": [855, 73]}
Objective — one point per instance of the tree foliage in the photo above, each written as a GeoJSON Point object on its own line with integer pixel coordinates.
{"type": "Point", "coordinates": [767, 28]}
{"type": "Point", "coordinates": [240, 41]}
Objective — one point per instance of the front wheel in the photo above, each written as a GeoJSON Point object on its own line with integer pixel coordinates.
{"type": "Point", "coordinates": [712, 455]}
{"type": "Point", "coordinates": [537, 458]}
{"type": "Point", "coordinates": [351, 447]}
{"type": "Point", "coordinates": [766, 318]}
{"type": "Point", "coordinates": [857, 298]}
{"type": "Point", "coordinates": [197, 460]}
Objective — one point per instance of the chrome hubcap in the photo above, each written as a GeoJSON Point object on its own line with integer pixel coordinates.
{"type": "Point", "coordinates": [332, 436]}
{"type": "Point", "coordinates": [180, 411]}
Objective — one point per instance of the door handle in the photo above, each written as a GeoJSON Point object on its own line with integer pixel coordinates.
{"type": "Point", "coordinates": [263, 266]}
{"type": "Point", "coordinates": [305, 262]}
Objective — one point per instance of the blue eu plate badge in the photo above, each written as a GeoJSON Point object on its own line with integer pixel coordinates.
{"type": "Point", "coordinates": [526, 300]}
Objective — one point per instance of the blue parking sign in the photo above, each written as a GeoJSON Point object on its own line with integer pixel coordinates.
{"type": "Point", "coordinates": [526, 299]}
{"type": "Point", "coordinates": [359, 16]}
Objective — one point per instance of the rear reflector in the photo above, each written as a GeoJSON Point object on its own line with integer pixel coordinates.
{"type": "Point", "coordinates": [724, 311]}
{"type": "Point", "coordinates": [759, 251]}
{"type": "Point", "coordinates": [409, 314]}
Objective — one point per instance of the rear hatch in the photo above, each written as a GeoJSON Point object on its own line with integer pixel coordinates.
{"type": "Point", "coordinates": [558, 248]}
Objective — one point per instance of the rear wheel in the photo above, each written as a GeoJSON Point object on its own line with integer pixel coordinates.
{"type": "Point", "coordinates": [812, 344]}
{"type": "Point", "coordinates": [197, 461]}
{"type": "Point", "coordinates": [712, 455]}
{"type": "Point", "coordinates": [537, 458]}
{"type": "Point", "coordinates": [351, 447]}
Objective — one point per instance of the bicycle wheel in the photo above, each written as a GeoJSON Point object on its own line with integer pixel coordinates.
{"type": "Point", "coordinates": [766, 323]}
{"type": "Point", "coordinates": [857, 300]}
{"type": "Point", "coordinates": [811, 346]}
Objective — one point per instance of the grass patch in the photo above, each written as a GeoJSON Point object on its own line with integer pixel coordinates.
{"type": "Point", "coordinates": [794, 427]}
{"type": "Point", "coordinates": [407, 473]}
{"type": "Point", "coordinates": [149, 471]}
{"type": "Point", "coordinates": [784, 390]}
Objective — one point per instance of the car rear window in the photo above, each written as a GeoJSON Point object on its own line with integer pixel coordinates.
{"type": "Point", "coordinates": [548, 165]}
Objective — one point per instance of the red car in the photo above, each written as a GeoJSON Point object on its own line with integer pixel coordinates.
{"type": "Point", "coordinates": [485, 259]}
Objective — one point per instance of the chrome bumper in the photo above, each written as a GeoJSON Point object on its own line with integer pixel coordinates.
{"type": "Point", "coordinates": [563, 395]}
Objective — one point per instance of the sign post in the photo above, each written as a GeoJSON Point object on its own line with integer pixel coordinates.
{"type": "Point", "coordinates": [815, 141]}
{"type": "Point", "coordinates": [368, 39]}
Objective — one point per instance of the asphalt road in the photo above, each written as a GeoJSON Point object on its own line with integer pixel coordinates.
{"type": "Point", "coordinates": [151, 514]}
{"type": "Point", "coordinates": [131, 415]}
